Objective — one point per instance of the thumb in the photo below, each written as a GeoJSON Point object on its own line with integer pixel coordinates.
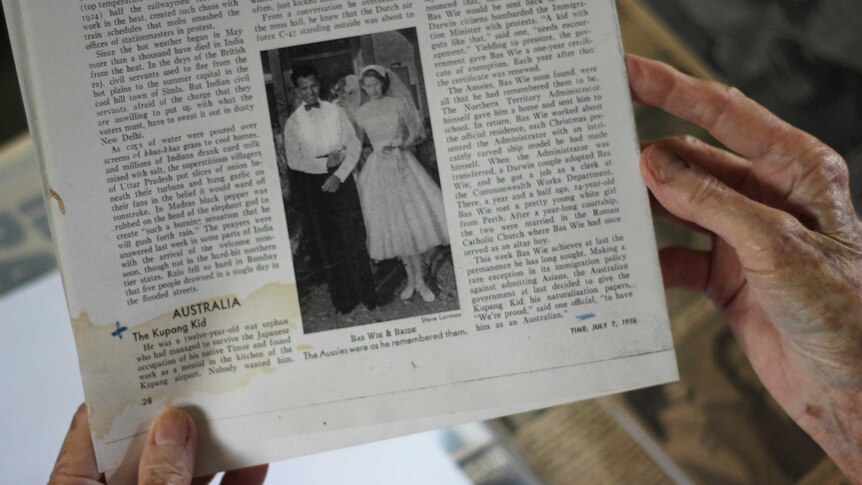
{"type": "Point", "coordinates": [169, 454]}
{"type": "Point", "coordinates": [756, 232]}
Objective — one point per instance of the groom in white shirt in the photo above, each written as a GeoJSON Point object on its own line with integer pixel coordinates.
{"type": "Point", "coordinates": [322, 147]}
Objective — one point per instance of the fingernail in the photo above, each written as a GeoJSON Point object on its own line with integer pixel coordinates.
{"type": "Point", "coordinates": [665, 165]}
{"type": "Point", "coordinates": [171, 427]}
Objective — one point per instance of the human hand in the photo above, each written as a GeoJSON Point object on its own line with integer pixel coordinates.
{"type": "Point", "coordinates": [786, 261]}
{"type": "Point", "coordinates": [332, 184]}
{"type": "Point", "coordinates": [167, 459]}
{"type": "Point", "coordinates": [334, 159]}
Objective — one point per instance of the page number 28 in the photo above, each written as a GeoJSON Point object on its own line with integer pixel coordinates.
{"type": "Point", "coordinates": [146, 401]}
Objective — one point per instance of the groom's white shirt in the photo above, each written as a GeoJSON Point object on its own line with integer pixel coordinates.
{"type": "Point", "coordinates": [310, 135]}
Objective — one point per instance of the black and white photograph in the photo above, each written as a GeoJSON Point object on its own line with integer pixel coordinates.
{"type": "Point", "coordinates": [359, 180]}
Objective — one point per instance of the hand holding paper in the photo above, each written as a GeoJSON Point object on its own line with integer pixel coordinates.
{"type": "Point", "coordinates": [786, 263]}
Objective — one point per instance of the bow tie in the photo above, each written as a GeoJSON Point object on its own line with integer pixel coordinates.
{"type": "Point", "coordinates": [309, 107]}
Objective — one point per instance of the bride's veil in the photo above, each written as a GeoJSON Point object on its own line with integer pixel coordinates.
{"type": "Point", "coordinates": [399, 90]}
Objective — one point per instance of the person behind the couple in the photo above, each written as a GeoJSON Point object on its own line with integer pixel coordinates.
{"type": "Point", "coordinates": [401, 207]}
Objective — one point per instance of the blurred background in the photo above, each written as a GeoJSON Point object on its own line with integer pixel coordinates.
{"type": "Point", "coordinates": [802, 59]}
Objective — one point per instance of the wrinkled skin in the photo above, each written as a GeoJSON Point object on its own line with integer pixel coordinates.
{"type": "Point", "coordinates": [786, 261]}
{"type": "Point", "coordinates": [167, 459]}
